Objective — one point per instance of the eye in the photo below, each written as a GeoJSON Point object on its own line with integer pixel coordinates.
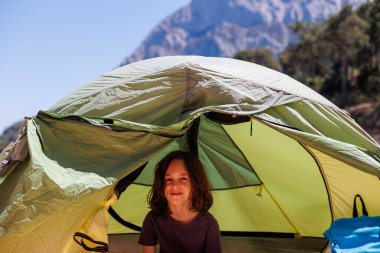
{"type": "Point", "coordinates": [168, 180]}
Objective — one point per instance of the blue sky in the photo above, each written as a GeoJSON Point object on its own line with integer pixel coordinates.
{"type": "Point", "coordinates": [50, 47]}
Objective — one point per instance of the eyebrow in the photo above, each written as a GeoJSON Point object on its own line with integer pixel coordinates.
{"type": "Point", "coordinates": [182, 174]}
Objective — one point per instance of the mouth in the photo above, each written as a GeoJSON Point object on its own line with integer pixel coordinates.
{"type": "Point", "coordinates": [175, 193]}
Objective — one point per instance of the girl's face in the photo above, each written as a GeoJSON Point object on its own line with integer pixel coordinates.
{"type": "Point", "coordinates": [177, 184]}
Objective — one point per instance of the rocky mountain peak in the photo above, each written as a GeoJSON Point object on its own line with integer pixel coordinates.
{"type": "Point", "coordinates": [224, 27]}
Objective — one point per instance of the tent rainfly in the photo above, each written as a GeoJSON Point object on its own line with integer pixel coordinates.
{"type": "Point", "coordinates": [280, 158]}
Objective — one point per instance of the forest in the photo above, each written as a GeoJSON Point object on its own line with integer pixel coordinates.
{"type": "Point", "coordinates": [339, 58]}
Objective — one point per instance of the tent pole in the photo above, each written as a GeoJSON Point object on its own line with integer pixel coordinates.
{"type": "Point", "coordinates": [297, 233]}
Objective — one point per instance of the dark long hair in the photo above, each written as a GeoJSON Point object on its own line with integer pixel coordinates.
{"type": "Point", "coordinates": [201, 197]}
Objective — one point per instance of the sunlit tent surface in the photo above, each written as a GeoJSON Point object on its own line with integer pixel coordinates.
{"type": "Point", "coordinates": [280, 158]}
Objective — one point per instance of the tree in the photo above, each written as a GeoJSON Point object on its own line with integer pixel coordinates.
{"type": "Point", "coordinates": [306, 60]}
{"type": "Point", "coordinates": [369, 56]}
{"type": "Point", "coordinates": [345, 33]}
{"type": "Point", "coordinates": [261, 56]}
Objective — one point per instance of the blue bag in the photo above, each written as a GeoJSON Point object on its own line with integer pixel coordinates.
{"type": "Point", "coordinates": [354, 235]}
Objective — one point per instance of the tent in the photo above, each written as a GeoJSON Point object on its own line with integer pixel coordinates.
{"type": "Point", "coordinates": [281, 159]}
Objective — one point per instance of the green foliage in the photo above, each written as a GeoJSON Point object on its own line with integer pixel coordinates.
{"type": "Point", "coordinates": [340, 57]}
{"type": "Point", "coordinates": [308, 60]}
{"type": "Point", "coordinates": [369, 56]}
{"type": "Point", "coordinates": [261, 56]}
{"type": "Point", "coordinates": [345, 33]}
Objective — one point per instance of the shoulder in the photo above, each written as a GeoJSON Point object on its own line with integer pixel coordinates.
{"type": "Point", "coordinates": [148, 235]}
{"type": "Point", "coordinates": [213, 243]}
{"type": "Point", "coordinates": [208, 218]}
{"type": "Point", "coordinates": [153, 217]}
{"type": "Point", "coordinates": [150, 217]}
{"type": "Point", "coordinates": [149, 214]}
{"type": "Point", "coordinates": [155, 214]}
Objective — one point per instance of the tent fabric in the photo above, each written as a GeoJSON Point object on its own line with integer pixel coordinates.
{"type": "Point", "coordinates": [122, 243]}
{"type": "Point", "coordinates": [280, 158]}
{"type": "Point", "coordinates": [200, 84]}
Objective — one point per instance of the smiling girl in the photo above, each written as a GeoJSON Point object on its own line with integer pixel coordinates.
{"type": "Point", "coordinates": [180, 199]}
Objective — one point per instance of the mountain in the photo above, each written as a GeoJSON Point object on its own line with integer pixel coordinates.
{"type": "Point", "coordinates": [9, 134]}
{"type": "Point", "coordinates": [224, 27]}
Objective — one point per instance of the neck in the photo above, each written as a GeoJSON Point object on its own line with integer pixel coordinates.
{"type": "Point", "coordinates": [182, 213]}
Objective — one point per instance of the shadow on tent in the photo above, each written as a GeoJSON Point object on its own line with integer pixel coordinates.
{"type": "Point", "coordinates": [123, 243]}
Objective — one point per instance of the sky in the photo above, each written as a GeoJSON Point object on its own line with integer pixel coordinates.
{"type": "Point", "coordinates": [48, 48]}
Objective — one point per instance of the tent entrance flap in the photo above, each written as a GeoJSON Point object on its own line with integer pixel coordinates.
{"type": "Point", "coordinates": [217, 152]}
{"type": "Point", "coordinates": [282, 205]}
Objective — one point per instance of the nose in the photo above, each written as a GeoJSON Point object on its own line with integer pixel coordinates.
{"type": "Point", "coordinates": [175, 184]}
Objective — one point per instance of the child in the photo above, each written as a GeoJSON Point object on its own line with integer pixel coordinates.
{"type": "Point", "coordinates": [180, 199]}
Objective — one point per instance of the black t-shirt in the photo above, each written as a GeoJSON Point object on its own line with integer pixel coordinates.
{"type": "Point", "coordinates": [201, 235]}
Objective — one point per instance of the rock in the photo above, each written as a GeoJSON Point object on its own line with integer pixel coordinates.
{"type": "Point", "coordinates": [206, 28]}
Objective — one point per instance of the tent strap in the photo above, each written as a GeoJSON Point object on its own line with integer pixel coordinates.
{"type": "Point", "coordinates": [192, 136]}
{"type": "Point", "coordinates": [117, 217]}
{"type": "Point", "coordinates": [126, 181]}
{"type": "Point", "coordinates": [121, 186]}
{"type": "Point", "coordinates": [355, 209]}
{"type": "Point", "coordinates": [102, 246]}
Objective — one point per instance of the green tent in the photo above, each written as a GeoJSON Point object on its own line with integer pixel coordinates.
{"type": "Point", "coordinates": [281, 159]}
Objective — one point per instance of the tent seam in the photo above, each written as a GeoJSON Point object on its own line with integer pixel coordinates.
{"type": "Point", "coordinates": [323, 177]}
